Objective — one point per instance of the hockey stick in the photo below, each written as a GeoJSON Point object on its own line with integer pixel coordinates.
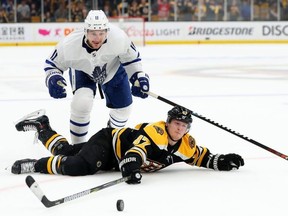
{"type": "Point", "coordinates": [221, 126]}
{"type": "Point", "coordinates": [35, 188]}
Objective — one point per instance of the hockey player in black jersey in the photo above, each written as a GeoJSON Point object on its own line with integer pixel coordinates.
{"type": "Point", "coordinates": [146, 148]}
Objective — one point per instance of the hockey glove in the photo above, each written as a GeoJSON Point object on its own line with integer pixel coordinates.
{"type": "Point", "coordinates": [56, 85]}
{"type": "Point", "coordinates": [140, 84]}
{"type": "Point", "coordinates": [226, 162]}
{"type": "Point", "coordinates": [130, 166]}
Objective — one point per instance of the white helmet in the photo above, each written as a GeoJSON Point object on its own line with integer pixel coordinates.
{"type": "Point", "coordinates": [96, 20]}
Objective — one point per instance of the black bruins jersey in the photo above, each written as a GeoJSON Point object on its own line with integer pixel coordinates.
{"type": "Point", "coordinates": [150, 141]}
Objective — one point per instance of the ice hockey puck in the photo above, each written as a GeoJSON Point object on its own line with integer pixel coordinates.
{"type": "Point", "coordinates": [120, 205]}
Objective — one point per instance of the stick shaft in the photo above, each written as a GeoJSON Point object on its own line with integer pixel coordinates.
{"type": "Point", "coordinates": [222, 127]}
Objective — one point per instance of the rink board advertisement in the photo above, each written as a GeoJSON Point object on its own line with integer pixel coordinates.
{"type": "Point", "coordinates": [154, 32]}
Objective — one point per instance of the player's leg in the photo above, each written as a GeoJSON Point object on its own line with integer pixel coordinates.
{"type": "Point", "coordinates": [54, 142]}
{"type": "Point", "coordinates": [118, 98]}
{"type": "Point", "coordinates": [97, 154]}
{"type": "Point", "coordinates": [84, 90]}
{"type": "Point", "coordinates": [59, 164]}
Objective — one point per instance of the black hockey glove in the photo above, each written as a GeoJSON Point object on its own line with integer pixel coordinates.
{"type": "Point", "coordinates": [56, 85]}
{"type": "Point", "coordinates": [130, 166]}
{"type": "Point", "coordinates": [140, 84]}
{"type": "Point", "coordinates": [226, 162]}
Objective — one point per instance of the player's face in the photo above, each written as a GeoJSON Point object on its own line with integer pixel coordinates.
{"type": "Point", "coordinates": [177, 129]}
{"type": "Point", "coordinates": [96, 38]}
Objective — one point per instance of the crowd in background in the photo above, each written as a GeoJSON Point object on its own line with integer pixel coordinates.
{"type": "Point", "coordinates": [151, 10]}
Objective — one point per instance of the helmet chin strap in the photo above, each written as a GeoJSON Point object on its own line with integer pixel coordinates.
{"type": "Point", "coordinates": [87, 42]}
{"type": "Point", "coordinates": [170, 135]}
{"type": "Point", "coordinates": [172, 138]}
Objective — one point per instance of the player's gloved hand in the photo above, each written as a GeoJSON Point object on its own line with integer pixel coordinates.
{"type": "Point", "coordinates": [135, 177]}
{"type": "Point", "coordinates": [226, 162]}
{"type": "Point", "coordinates": [130, 166]}
{"type": "Point", "coordinates": [56, 85]}
{"type": "Point", "coordinates": [140, 84]}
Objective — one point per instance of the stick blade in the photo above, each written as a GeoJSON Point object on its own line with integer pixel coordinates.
{"type": "Point", "coordinates": [37, 191]}
{"type": "Point", "coordinates": [29, 181]}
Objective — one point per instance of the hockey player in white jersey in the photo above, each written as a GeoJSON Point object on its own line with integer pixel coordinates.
{"type": "Point", "coordinates": [100, 55]}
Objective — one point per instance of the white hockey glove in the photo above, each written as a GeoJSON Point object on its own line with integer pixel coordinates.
{"type": "Point", "coordinates": [140, 84]}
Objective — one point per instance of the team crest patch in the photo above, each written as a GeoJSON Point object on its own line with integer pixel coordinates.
{"type": "Point", "coordinates": [185, 112]}
{"type": "Point", "coordinates": [98, 164]}
{"type": "Point", "coordinates": [191, 142]}
{"type": "Point", "coordinates": [158, 130]}
{"type": "Point", "coordinates": [99, 74]}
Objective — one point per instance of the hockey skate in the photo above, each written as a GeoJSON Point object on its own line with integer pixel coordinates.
{"type": "Point", "coordinates": [23, 166]}
{"type": "Point", "coordinates": [35, 121]}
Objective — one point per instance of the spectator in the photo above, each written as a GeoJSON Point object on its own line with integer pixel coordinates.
{"type": "Point", "coordinates": [234, 11]}
{"type": "Point", "coordinates": [210, 10]}
{"type": "Point", "coordinates": [163, 10]}
{"type": "Point", "coordinates": [133, 10]}
{"type": "Point", "coordinates": [34, 10]}
{"type": "Point", "coordinates": [61, 13]}
{"type": "Point", "coordinates": [122, 8]}
{"type": "Point", "coordinates": [246, 10]}
{"type": "Point", "coordinates": [77, 12]}
{"type": "Point", "coordinates": [219, 11]}
{"type": "Point", "coordinates": [200, 11]}
{"type": "Point", "coordinates": [284, 9]}
{"type": "Point", "coordinates": [3, 4]}
{"type": "Point", "coordinates": [154, 9]}
{"type": "Point", "coordinates": [185, 9]}
{"type": "Point", "coordinates": [273, 12]}
{"type": "Point", "coordinates": [23, 12]}
{"type": "Point", "coordinates": [48, 17]}
{"type": "Point", "coordinates": [47, 6]}
{"type": "Point", "coordinates": [55, 4]}
{"type": "Point", "coordinates": [107, 10]}
{"type": "Point", "coordinates": [3, 16]}
{"type": "Point", "coordinates": [84, 11]}
{"type": "Point", "coordinates": [10, 9]}
{"type": "Point", "coordinates": [144, 9]}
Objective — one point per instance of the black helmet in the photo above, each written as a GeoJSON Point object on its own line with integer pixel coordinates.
{"type": "Point", "coordinates": [181, 114]}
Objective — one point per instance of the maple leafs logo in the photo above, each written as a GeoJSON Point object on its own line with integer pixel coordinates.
{"type": "Point", "coordinates": [99, 74]}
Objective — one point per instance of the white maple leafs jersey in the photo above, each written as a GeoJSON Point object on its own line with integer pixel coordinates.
{"type": "Point", "coordinates": [102, 64]}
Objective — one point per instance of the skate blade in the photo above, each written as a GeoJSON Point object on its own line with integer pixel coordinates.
{"type": "Point", "coordinates": [8, 169]}
{"type": "Point", "coordinates": [32, 115]}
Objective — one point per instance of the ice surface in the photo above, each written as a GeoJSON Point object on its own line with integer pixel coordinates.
{"type": "Point", "coordinates": [243, 87]}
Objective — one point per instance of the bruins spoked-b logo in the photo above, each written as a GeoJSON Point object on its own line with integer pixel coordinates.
{"type": "Point", "coordinates": [158, 130]}
{"type": "Point", "coordinates": [99, 164]}
{"type": "Point", "coordinates": [184, 113]}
